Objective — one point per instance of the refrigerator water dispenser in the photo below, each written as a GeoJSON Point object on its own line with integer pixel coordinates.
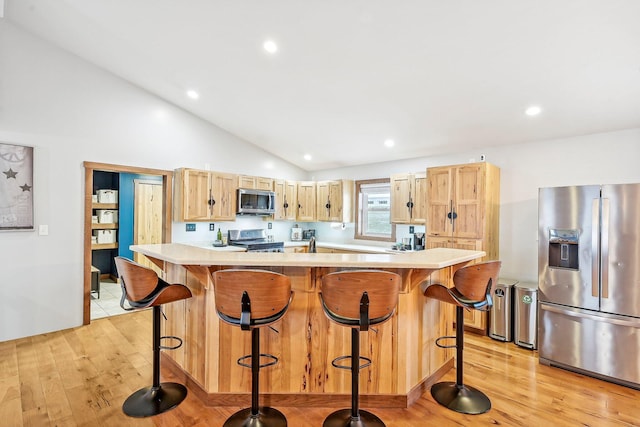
{"type": "Point", "coordinates": [563, 248]}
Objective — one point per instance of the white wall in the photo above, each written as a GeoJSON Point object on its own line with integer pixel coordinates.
{"type": "Point", "coordinates": [71, 112]}
{"type": "Point", "coordinates": [606, 158]}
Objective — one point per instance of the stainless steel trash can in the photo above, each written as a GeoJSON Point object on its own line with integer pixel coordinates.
{"type": "Point", "coordinates": [501, 313]}
{"type": "Point", "coordinates": [526, 315]}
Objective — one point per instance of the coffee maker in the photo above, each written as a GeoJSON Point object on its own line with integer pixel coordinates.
{"type": "Point", "coordinates": [296, 233]}
{"type": "Point", "coordinates": [418, 241]}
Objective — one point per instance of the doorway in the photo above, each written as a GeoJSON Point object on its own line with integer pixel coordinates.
{"type": "Point", "coordinates": [161, 209]}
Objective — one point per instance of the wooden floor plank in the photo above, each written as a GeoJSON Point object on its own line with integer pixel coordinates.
{"type": "Point", "coordinates": [81, 376]}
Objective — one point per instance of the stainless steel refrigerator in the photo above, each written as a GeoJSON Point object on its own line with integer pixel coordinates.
{"type": "Point", "coordinates": [589, 280]}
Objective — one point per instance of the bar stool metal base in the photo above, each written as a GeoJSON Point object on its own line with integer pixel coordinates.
{"type": "Point", "coordinates": [342, 418]}
{"type": "Point", "coordinates": [267, 417]}
{"type": "Point", "coordinates": [461, 398]}
{"type": "Point", "coordinates": [150, 401]}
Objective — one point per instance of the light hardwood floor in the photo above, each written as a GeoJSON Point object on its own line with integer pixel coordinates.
{"type": "Point", "coordinates": [81, 376]}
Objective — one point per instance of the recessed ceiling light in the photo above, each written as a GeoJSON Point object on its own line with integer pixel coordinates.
{"type": "Point", "coordinates": [534, 110]}
{"type": "Point", "coordinates": [389, 143]}
{"type": "Point", "coordinates": [270, 46]}
{"type": "Point", "coordinates": [193, 94]}
{"type": "Point", "coordinates": [307, 157]}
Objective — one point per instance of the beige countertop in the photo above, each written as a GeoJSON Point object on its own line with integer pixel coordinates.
{"type": "Point", "coordinates": [183, 254]}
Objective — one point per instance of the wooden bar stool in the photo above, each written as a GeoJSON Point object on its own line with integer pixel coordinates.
{"type": "Point", "coordinates": [471, 291]}
{"type": "Point", "coordinates": [142, 288]}
{"type": "Point", "coordinates": [253, 299]}
{"type": "Point", "coordinates": [357, 299]}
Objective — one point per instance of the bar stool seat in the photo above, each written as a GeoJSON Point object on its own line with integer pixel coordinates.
{"type": "Point", "coordinates": [471, 291]}
{"type": "Point", "coordinates": [142, 288]}
{"type": "Point", "coordinates": [252, 299]}
{"type": "Point", "coordinates": [357, 299]}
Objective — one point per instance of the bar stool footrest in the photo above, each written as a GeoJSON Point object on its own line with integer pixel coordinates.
{"type": "Point", "coordinates": [342, 418]}
{"type": "Point", "coordinates": [446, 337]}
{"type": "Point", "coordinates": [460, 398]}
{"type": "Point", "coordinates": [335, 361]}
{"type": "Point", "coordinates": [273, 358]}
{"type": "Point", "coordinates": [267, 417]}
{"type": "Point", "coordinates": [171, 347]}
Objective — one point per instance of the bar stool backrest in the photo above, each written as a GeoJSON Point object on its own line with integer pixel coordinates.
{"type": "Point", "coordinates": [341, 293]}
{"type": "Point", "coordinates": [475, 281]}
{"type": "Point", "coordinates": [139, 281]}
{"type": "Point", "coordinates": [269, 292]}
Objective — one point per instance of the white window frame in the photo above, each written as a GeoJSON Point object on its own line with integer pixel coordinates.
{"type": "Point", "coordinates": [361, 212]}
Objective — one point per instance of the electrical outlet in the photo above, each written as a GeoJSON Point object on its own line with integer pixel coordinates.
{"type": "Point", "coordinates": [411, 229]}
{"type": "Point", "coordinates": [191, 227]}
{"type": "Point", "coordinates": [212, 227]}
{"type": "Point", "coordinates": [269, 226]}
{"type": "Point", "coordinates": [482, 157]}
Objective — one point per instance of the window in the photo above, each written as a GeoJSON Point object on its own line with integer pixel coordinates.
{"type": "Point", "coordinates": [373, 210]}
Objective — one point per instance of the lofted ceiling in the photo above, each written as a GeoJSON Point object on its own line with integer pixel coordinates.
{"type": "Point", "coordinates": [436, 77]}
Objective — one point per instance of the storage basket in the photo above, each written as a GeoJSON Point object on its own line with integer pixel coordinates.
{"type": "Point", "coordinates": [107, 196]}
{"type": "Point", "coordinates": [107, 216]}
{"type": "Point", "coordinates": [105, 236]}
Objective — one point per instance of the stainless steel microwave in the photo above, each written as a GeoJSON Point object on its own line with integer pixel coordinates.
{"type": "Point", "coordinates": [256, 202]}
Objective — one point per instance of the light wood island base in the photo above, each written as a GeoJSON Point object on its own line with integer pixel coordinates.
{"type": "Point", "coordinates": [405, 360]}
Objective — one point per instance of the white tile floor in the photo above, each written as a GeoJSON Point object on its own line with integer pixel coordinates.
{"type": "Point", "coordinates": [109, 302]}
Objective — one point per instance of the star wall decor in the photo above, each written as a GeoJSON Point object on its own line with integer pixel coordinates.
{"type": "Point", "coordinates": [16, 187]}
{"type": "Point", "coordinates": [10, 174]}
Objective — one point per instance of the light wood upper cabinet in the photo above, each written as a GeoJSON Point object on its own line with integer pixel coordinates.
{"type": "Point", "coordinates": [224, 196]}
{"type": "Point", "coordinates": [419, 198]}
{"type": "Point", "coordinates": [335, 200]}
{"type": "Point", "coordinates": [263, 183]}
{"type": "Point", "coordinates": [286, 200]}
{"type": "Point", "coordinates": [463, 201]}
{"type": "Point", "coordinates": [306, 201]}
{"type": "Point", "coordinates": [408, 198]}
{"type": "Point", "coordinates": [204, 196]}
{"type": "Point", "coordinates": [255, 182]}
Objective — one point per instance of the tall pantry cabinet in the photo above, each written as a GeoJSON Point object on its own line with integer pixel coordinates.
{"type": "Point", "coordinates": [463, 211]}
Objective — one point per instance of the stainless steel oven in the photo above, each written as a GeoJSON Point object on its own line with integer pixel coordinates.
{"type": "Point", "coordinates": [254, 240]}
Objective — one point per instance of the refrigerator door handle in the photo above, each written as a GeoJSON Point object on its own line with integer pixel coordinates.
{"type": "Point", "coordinates": [595, 253]}
{"type": "Point", "coordinates": [604, 249]}
{"type": "Point", "coordinates": [616, 320]}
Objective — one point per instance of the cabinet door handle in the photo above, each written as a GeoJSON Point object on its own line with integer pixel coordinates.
{"type": "Point", "coordinates": [452, 215]}
{"type": "Point", "coordinates": [410, 206]}
{"type": "Point", "coordinates": [211, 202]}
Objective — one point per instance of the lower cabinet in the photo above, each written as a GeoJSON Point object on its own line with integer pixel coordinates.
{"type": "Point", "coordinates": [295, 250]}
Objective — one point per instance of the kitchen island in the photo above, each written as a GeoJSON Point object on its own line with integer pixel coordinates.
{"type": "Point", "coordinates": [405, 359]}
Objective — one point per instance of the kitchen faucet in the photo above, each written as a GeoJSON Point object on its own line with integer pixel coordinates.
{"type": "Point", "coordinates": [312, 245]}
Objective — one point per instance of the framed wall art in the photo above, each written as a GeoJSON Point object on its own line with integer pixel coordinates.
{"type": "Point", "coordinates": [16, 187]}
